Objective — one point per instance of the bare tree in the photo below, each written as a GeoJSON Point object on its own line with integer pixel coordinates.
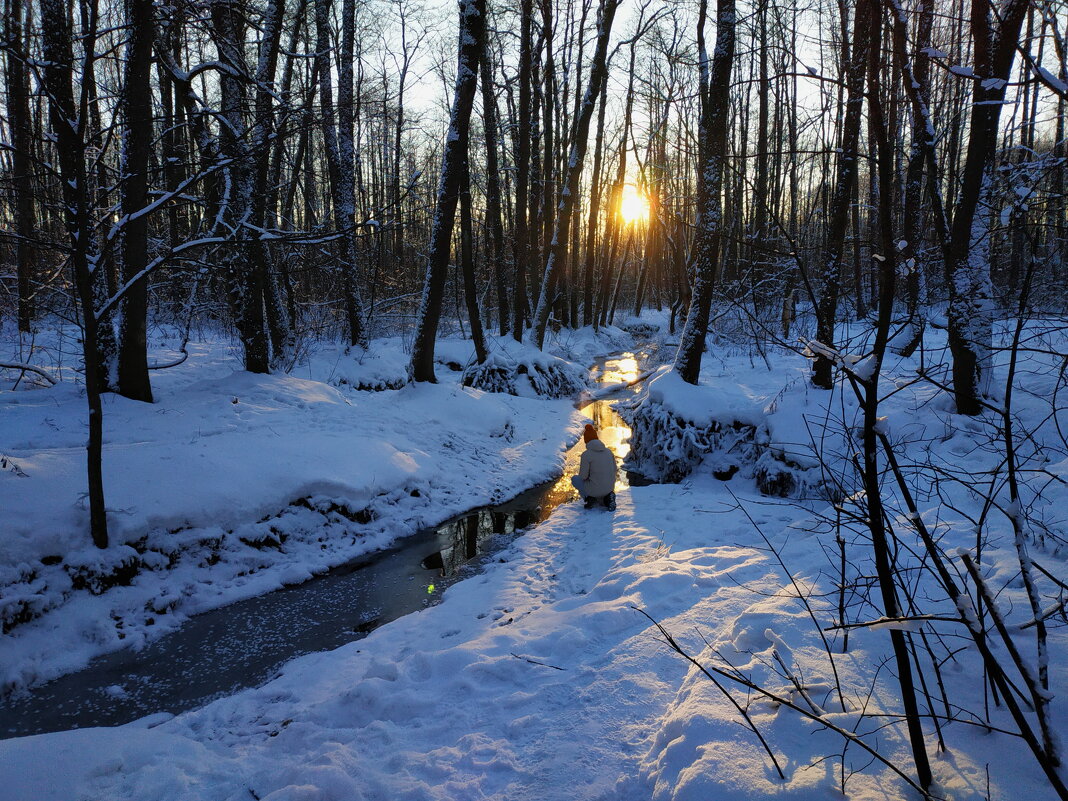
{"type": "Point", "coordinates": [845, 184]}
{"type": "Point", "coordinates": [133, 175]}
{"type": "Point", "coordinates": [67, 121]}
{"type": "Point", "coordinates": [994, 42]}
{"type": "Point", "coordinates": [18, 112]}
{"type": "Point", "coordinates": [453, 167]}
{"type": "Point", "coordinates": [339, 154]}
{"type": "Point", "coordinates": [558, 248]}
{"type": "Point", "coordinates": [715, 96]}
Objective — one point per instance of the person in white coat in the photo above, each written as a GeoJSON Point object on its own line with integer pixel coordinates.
{"type": "Point", "coordinates": [596, 479]}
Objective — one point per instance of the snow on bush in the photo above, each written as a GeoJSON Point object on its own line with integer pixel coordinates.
{"type": "Point", "coordinates": [375, 369]}
{"type": "Point", "coordinates": [677, 425]}
{"type": "Point", "coordinates": [516, 368]}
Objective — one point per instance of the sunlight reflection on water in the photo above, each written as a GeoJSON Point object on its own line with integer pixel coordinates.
{"type": "Point", "coordinates": [621, 370]}
{"type": "Point", "coordinates": [611, 429]}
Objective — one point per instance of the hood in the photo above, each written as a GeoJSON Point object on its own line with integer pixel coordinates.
{"type": "Point", "coordinates": [595, 445]}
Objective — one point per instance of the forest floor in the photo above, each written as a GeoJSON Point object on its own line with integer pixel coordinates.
{"type": "Point", "coordinates": [542, 678]}
{"type": "Point", "coordinates": [232, 484]}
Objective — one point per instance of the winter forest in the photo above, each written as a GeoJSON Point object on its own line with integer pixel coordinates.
{"type": "Point", "coordinates": [318, 319]}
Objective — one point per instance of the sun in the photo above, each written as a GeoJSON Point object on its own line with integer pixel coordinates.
{"type": "Point", "coordinates": [633, 205]}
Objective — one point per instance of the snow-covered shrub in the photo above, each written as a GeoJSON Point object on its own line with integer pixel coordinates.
{"type": "Point", "coordinates": [22, 607]}
{"type": "Point", "coordinates": [517, 369]}
{"type": "Point", "coordinates": [25, 594]}
{"type": "Point", "coordinates": [97, 571]}
{"type": "Point", "coordinates": [639, 327]}
{"type": "Point", "coordinates": [667, 447]}
{"type": "Point", "coordinates": [777, 476]}
{"type": "Point", "coordinates": [381, 367]}
{"type": "Point", "coordinates": [677, 426]}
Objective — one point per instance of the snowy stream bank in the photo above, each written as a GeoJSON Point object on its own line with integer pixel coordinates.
{"type": "Point", "coordinates": [539, 678]}
{"type": "Point", "coordinates": [243, 644]}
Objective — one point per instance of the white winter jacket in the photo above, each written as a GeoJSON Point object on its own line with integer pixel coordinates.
{"type": "Point", "coordinates": [597, 469]}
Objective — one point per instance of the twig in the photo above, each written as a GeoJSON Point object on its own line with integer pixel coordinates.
{"type": "Point", "coordinates": [536, 662]}
{"type": "Point", "coordinates": [741, 711]}
{"type": "Point", "coordinates": [890, 622]}
{"type": "Point", "coordinates": [780, 700]}
{"type": "Point", "coordinates": [801, 596]}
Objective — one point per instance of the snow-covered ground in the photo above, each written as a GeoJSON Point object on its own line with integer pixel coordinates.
{"type": "Point", "coordinates": [539, 678]}
{"type": "Point", "coordinates": [233, 484]}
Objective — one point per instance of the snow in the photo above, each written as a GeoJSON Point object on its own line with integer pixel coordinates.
{"type": "Point", "coordinates": [538, 678]}
{"type": "Point", "coordinates": [463, 699]}
{"type": "Point", "coordinates": [188, 477]}
{"type": "Point", "coordinates": [1057, 84]}
{"type": "Point", "coordinates": [520, 368]}
{"type": "Point", "coordinates": [723, 401]}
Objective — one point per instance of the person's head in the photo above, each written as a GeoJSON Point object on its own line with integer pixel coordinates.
{"type": "Point", "coordinates": [588, 433]}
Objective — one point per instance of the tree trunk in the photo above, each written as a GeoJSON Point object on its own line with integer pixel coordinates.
{"type": "Point", "coordinates": [876, 514]}
{"type": "Point", "coordinates": [917, 78]}
{"type": "Point", "coordinates": [557, 249]}
{"type": "Point", "coordinates": [244, 289]}
{"type": "Point", "coordinates": [67, 122]}
{"type": "Point", "coordinates": [715, 102]}
{"type": "Point", "coordinates": [493, 189]}
{"type": "Point", "coordinates": [588, 317]}
{"type": "Point", "coordinates": [261, 215]}
{"type": "Point", "coordinates": [970, 291]}
{"type": "Point", "coordinates": [467, 266]}
{"type": "Point", "coordinates": [136, 149]}
{"type": "Point", "coordinates": [472, 40]}
{"type": "Point", "coordinates": [339, 159]}
{"type": "Point", "coordinates": [522, 170]}
{"type": "Point", "coordinates": [845, 180]}
{"type": "Point", "coordinates": [18, 110]}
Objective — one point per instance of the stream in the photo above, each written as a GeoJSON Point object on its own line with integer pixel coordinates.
{"type": "Point", "coordinates": [244, 644]}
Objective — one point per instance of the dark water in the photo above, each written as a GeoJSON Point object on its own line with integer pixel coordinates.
{"type": "Point", "coordinates": [244, 644]}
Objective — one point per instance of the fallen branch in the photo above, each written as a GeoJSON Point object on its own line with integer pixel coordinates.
{"type": "Point", "coordinates": [173, 362]}
{"type": "Point", "coordinates": [29, 368]}
{"type": "Point", "coordinates": [604, 392]}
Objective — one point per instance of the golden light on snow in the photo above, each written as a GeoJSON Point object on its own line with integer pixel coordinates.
{"type": "Point", "coordinates": [633, 205]}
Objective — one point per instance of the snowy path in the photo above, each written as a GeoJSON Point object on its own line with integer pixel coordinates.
{"type": "Point", "coordinates": [533, 680]}
{"type": "Point", "coordinates": [449, 702]}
